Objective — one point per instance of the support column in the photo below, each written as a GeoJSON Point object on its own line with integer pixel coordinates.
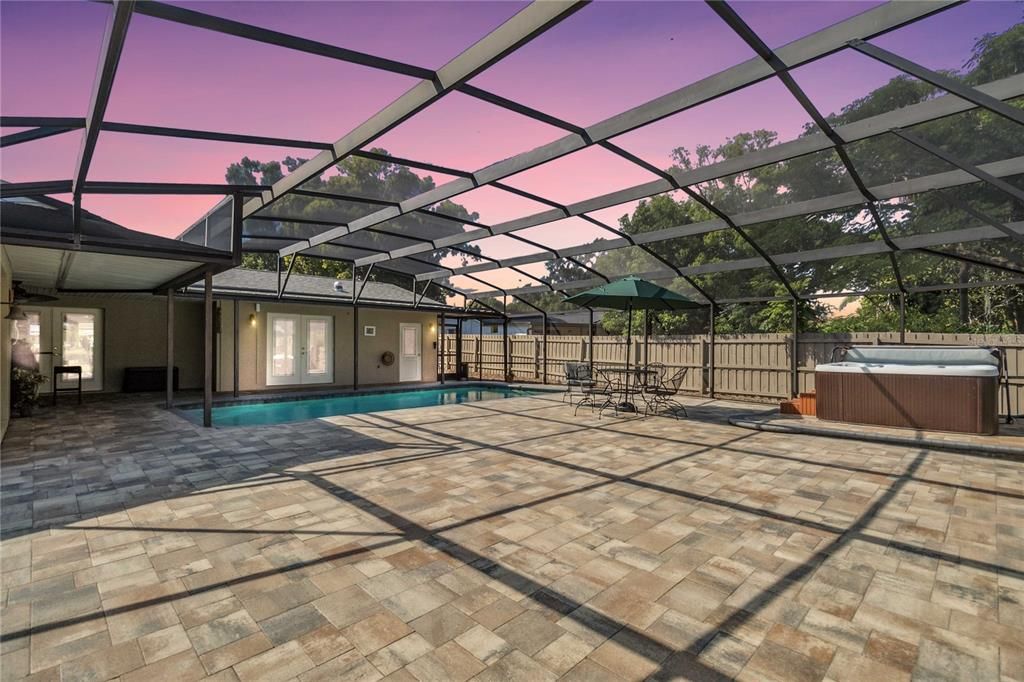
{"type": "Point", "coordinates": [647, 334]}
{"type": "Point", "coordinates": [544, 352]}
{"type": "Point", "coordinates": [480, 350]}
{"type": "Point", "coordinates": [903, 317]}
{"type": "Point", "coordinates": [711, 350]}
{"type": "Point", "coordinates": [440, 345]}
{"type": "Point", "coordinates": [458, 349]}
{"type": "Point", "coordinates": [590, 343]}
{"type": "Point", "coordinates": [794, 367]}
{"type": "Point", "coordinates": [208, 349]}
{"type": "Point", "coordinates": [505, 339]}
{"type": "Point", "coordinates": [355, 347]}
{"type": "Point", "coordinates": [235, 349]}
{"type": "Point", "coordinates": [170, 348]}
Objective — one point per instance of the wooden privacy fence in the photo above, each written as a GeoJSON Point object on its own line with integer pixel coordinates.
{"type": "Point", "coordinates": [757, 367]}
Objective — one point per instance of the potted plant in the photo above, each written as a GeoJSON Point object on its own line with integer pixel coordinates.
{"type": "Point", "coordinates": [25, 383]}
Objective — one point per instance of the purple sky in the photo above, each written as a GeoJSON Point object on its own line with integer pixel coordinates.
{"type": "Point", "coordinates": [608, 57]}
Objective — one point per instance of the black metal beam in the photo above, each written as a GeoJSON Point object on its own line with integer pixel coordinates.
{"type": "Point", "coordinates": [33, 134]}
{"type": "Point", "coordinates": [238, 29]}
{"type": "Point", "coordinates": [941, 153]}
{"type": "Point", "coordinates": [700, 199]}
{"type": "Point", "coordinates": [284, 285]}
{"type": "Point", "coordinates": [210, 135]}
{"type": "Point", "coordinates": [113, 44]}
{"type": "Point", "coordinates": [939, 80]}
{"type": "Point", "coordinates": [119, 187]}
{"type": "Point", "coordinates": [42, 122]}
{"type": "Point", "coordinates": [32, 189]}
{"type": "Point", "coordinates": [754, 41]}
{"type": "Point", "coordinates": [973, 260]}
{"type": "Point", "coordinates": [357, 293]}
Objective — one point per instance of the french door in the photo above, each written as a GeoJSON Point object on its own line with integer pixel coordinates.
{"type": "Point", "coordinates": [63, 336]}
{"type": "Point", "coordinates": [410, 364]}
{"type": "Point", "coordinates": [300, 349]}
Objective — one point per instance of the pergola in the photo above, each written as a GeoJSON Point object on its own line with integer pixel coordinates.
{"type": "Point", "coordinates": [380, 239]}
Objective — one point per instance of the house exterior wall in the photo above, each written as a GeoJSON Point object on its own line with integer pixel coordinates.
{"type": "Point", "coordinates": [135, 335]}
{"type": "Point", "coordinates": [252, 342]}
{"type": "Point", "coordinates": [5, 342]}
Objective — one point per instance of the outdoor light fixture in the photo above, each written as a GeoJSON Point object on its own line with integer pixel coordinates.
{"type": "Point", "coordinates": [252, 319]}
{"type": "Point", "coordinates": [15, 313]}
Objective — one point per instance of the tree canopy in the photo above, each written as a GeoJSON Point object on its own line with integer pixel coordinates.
{"type": "Point", "coordinates": [977, 136]}
{"type": "Point", "coordinates": [371, 182]}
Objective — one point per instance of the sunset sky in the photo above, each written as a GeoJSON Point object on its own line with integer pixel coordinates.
{"type": "Point", "coordinates": [606, 58]}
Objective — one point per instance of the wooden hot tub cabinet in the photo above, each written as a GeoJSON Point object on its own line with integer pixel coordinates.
{"type": "Point", "coordinates": [928, 388]}
{"type": "Point", "coordinates": [927, 402]}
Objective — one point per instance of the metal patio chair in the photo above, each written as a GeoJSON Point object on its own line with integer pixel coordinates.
{"type": "Point", "coordinates": [648, 379]}
{"type": "Point", "coordinates": [577, 376]}
{"type": "Point", "coordinates": [599, 394]}
{"type": "Point", "coordinates": [662, 396]}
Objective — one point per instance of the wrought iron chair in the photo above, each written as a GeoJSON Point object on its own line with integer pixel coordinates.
{"type": "Point", "coordinates": [648, 379]}
{"type": "Point", "coordinates": [663, 395]}
{"type": "Point", "coordinates": [577, 376]}
{"type": "Point", "coordinates": [598, 394]}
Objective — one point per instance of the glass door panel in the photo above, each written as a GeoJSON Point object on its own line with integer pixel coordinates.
{"type": "Point", "coordinates": [299, 350]}
{"type": "Point", "coordinates": [80, 346]}
{"type": "Point", "coordinates": [282, 344]}
{"type": "Point", "coordinates": [317, 350]}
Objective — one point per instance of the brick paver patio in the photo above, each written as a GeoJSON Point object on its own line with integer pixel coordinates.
{"type": "Point", "coordinates": [502, 540]}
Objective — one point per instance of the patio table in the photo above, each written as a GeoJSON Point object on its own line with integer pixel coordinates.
{"type": "Point", "coordinates": [622, 376]}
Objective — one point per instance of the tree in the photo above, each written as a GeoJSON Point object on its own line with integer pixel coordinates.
{"type": "Point", "coordinates": [353, 176]}
{"type": "Point", "coordinates": [977, 136]}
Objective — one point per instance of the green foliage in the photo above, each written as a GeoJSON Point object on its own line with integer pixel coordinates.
{"type": "Point", "coordinates": [353, 176]}
{"type": "Point", "coordinates": [25, 383]}
{"type": "Point", "coordinates": [976, 136]}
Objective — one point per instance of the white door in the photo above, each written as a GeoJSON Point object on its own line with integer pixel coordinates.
{"type": "Point", "coordinates": [64, 336]}
{"type": "Point", "coordinates": [300, 350]}
{"type": "Point", "coordinates": [410, 365]}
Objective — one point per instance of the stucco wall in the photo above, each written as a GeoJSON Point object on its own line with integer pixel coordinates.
{"type": "Point", "coordinates": [135, 335]}
{"type": "Point", "coordinates": [5, 343]}
{"type": "Point", "coordinates": [252, 342]}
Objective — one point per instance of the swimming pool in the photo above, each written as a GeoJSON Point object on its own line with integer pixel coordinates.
{"type": "Point", "coordinates": [283, 411]}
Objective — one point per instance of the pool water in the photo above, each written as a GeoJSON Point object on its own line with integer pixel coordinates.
{"type": "Point", "coordinates": [251, 414]}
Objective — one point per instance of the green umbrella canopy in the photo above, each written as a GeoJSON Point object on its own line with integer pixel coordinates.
{"type": "Point", "coordinates": [632, 293]}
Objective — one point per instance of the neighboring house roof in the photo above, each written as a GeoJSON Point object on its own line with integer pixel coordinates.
{"type": "Point", "coordinates": [307, 287]}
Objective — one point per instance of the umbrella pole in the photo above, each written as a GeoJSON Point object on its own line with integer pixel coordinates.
{"type": "Point", "coordinates": [629, 346]}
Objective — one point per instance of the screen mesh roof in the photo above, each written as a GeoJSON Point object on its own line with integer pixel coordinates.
{"type": "Point", "coordinates": [543, 148]}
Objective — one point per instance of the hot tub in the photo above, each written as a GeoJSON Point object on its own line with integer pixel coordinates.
{"type": "Point", "coordinates": [943, 388]}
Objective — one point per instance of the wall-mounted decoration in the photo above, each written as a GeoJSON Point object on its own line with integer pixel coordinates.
{"type": "Point", "coordinates": [369, 331]}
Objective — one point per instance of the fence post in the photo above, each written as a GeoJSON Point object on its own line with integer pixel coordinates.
{"type": "Point", "coordinates": [711, 351]}
{"type": "Point", "coordinates": [536, 360]}
{"type": "Point", "coordinates": [903, 318]}
{"type": "Point", "coordinates": [794, 361]}
{"type": "Point", "coordinates": [544, 365]}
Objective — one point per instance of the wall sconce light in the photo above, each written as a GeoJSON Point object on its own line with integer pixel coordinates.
{"type": "Point", "coordinates": [432, 327]}
{"type": "Point", "coordinates": [252, 319]}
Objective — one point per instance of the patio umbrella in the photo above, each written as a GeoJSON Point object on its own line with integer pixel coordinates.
{"type": "Point", "coordinates": [629, 294]}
